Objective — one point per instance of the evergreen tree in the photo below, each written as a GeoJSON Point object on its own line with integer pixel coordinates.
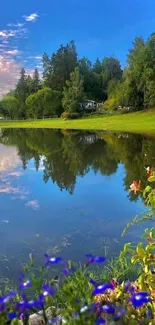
{"type": "Point", "coordinates": [57, 69]}
{"type": "Point", "coordinates": [36, 83]}
{"type": "Point", "coordinates": [21, 92]}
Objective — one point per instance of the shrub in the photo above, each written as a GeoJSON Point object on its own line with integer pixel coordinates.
{"type": "Point", "coordinates": [69, 116]}
{"type": "Point", "coordinates": [110, 104]}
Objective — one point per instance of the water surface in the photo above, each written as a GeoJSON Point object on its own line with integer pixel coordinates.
{"type": "Point", "coordinates": [68, 193]}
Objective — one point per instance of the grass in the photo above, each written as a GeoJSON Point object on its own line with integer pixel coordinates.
{"type": "Point", "coordinates": [137, 122]}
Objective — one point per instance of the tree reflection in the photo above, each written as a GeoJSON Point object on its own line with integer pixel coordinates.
{"type": "Point", "coordinates": [65, 155]}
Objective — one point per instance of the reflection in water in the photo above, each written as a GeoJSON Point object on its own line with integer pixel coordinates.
{"type": "Point", "coordinates": [67, 192]}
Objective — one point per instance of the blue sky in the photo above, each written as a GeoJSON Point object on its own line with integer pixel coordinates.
{"type": "Point", "coordinates": [99, 27]}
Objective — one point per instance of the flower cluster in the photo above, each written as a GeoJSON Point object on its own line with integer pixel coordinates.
{"type": "Point", "coordinates": [105, 303]}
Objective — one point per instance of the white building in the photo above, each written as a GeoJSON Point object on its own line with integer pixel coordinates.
{"type": "Point", "coordinates": [88, 105]}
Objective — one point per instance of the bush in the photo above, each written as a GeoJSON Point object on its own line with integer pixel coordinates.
{"type": "Point", "coordinates": [110, 104]}
{"type": "Point", "coordinates": [69, 116]}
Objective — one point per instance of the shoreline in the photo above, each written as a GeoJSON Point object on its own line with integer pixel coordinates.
{"type": "Point", "coordinates": [137, 122]}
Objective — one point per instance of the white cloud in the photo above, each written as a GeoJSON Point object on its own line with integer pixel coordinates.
{"type": "Point", "coordinates": [38, 57]}
{"type": "Point", "coordinates": [15, 25]}
{"type": "Point", "coordinates": [13, 52]}
{"type": "Point", "coordinates": [33, 204]}
{"type": "Point", "coordinates": [9, 159]}
{"type": "Point", "coordinates": [17, 33]}
{"type": "Point", "coordinates": [31, 18]}
{"type": "Point", "coordinates": [9, 73]}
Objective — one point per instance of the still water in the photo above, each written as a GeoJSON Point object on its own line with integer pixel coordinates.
{"type": "Point", "coordinates": [67, 193]}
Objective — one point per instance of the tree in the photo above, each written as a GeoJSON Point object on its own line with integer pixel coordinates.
{"type": "Point", "coordinates": [44, 103]}
{"type": "Point", "coordinates": [92, 80]}
{"type": "Point", "coordinates": [111, 69]}
{"type": "Point", "coordinates": [36, 83]}
{"type": "Point", "coordinates": [10, 107]}
{"type": "Point", "coordinates": [73, 92]}
{"type": "Point", "coordinates": [57, 69]}
{"type": "Point", "coordinates": [21, 92]}
{"type": "Point", "coordinates": [97, 67]}
{"type": "Point", "coordinates": [21, 88]}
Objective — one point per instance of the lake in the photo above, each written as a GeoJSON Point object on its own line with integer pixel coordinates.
{"type": "Point", "coordinates": [67, 193]}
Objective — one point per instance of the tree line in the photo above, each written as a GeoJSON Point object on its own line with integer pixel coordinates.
{"type": "Point", "coordinates": [67, 81]}
{"type": "Point", "coordinates": [66, 155]}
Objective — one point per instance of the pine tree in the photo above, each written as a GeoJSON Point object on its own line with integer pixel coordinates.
{"type": "Point", "coordinates": [36, 81]}
{"type": "Point", "coordinates": [21, 92]}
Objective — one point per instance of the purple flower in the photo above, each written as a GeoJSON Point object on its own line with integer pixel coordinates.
{"type": "Point", "coordinates": [66, 271]}
{"type": "Point", "coordinates": [102, 288]}
{"type": "Point", "coordinates": [120, 312]}
{"type": "Point", "coordinates": [96, 259]}
{"type": "Point", "coordinates": [75, 315]}
{"type": "Point", "coordinates": [100, 321]}
{"type": "Point", "coordinates": [99, 259]}
{"type": "Point", "coordinates": [48, 290]}
{"type": "Point", "coordinates": [93, 282]}
{"type": "Point", "coordinates": [25, 285]}
{"type": "Point", "coordinates": [32, 304]}
{"type": "Point", "coordinates": [5, 300]}
{"type": "Point", "coordinates": [52, 260]}
{"type": "Point", "coordinates": [140, 299]}
{"type": "Point", "coordinates": [12, 315]}
{"type": "Point", "coordinates": [108, 309]}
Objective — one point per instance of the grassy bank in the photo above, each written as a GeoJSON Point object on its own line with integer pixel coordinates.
{"type": "Point", "coordinates": [138, 122]}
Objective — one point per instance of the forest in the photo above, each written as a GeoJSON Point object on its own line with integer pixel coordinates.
{"type": "Point", "coordinates": [67, 80]}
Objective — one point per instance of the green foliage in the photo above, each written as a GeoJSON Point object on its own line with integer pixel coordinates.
{"type": "Point", "coordinates": [44, 103]}
{"type": "Point", "coordinates": [9, 107]}
{"type": "Point", "coordinates": [57, 69]}
{"type": "Point", "coordinates": [73, 92]}
{"type": "Point", "coordinates": [110, 104]}
{"type": "Point", "coordinates": [69, 116]}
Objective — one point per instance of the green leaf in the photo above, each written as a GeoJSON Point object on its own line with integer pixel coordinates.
{"type": "Point", "coordinates": [152, 178]}
{"type": "Point", "coordinates": [126, 247]}
{"type": "Point", "coordinates": [141, 282]}
{"type": "Point", "coordinates": [140, 250]}
{"type": "Point", "coordinates": [147, 190]}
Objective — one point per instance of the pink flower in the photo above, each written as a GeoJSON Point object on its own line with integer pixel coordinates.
{"type": "Point", "coordinates": [135, 186]}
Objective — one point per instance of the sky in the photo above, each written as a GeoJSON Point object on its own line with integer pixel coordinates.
{"type": "Point", "coordinates": [99, 27]}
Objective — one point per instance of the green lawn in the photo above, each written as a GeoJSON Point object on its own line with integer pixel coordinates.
{"type": "Point", "coordinates": [139, 122]}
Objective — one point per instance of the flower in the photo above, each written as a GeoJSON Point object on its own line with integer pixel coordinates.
{"type": "Point", "coordinates": [25, 285]}
{"type": "Point", "coordinates": [140, 299]}
{"type": "Point", "coordinates": [149, 171]}
{"type": "Point", "coordinates": [149, 239]}
{"type": "Point", "coordinates": [101, 289]}
{"type": "Point", "coordinates": [93, 282]}
{"type": "Point", "coordinates": [83, 309]}
{"type": "Point", "coordinates": [12, 315]}
{"type": "Point", "coordinates": [52, 260]}
{"type": "Point", "coordinates": [100, 321]}
{"type": "Point", "coordinates": [114, 283]}
{"type": "Point", "coordinates": [6, 299]}
{"type": "Point", "coordinates": [96, 259]}
{"type": "Point", "coordinates": [135, 186]}
{"type": "Point", "coordinates": [108, 309]}
{"type": "Point", "coordinates": [119, 314]}
{"type": "Point", "coordinates": [48, 290]}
